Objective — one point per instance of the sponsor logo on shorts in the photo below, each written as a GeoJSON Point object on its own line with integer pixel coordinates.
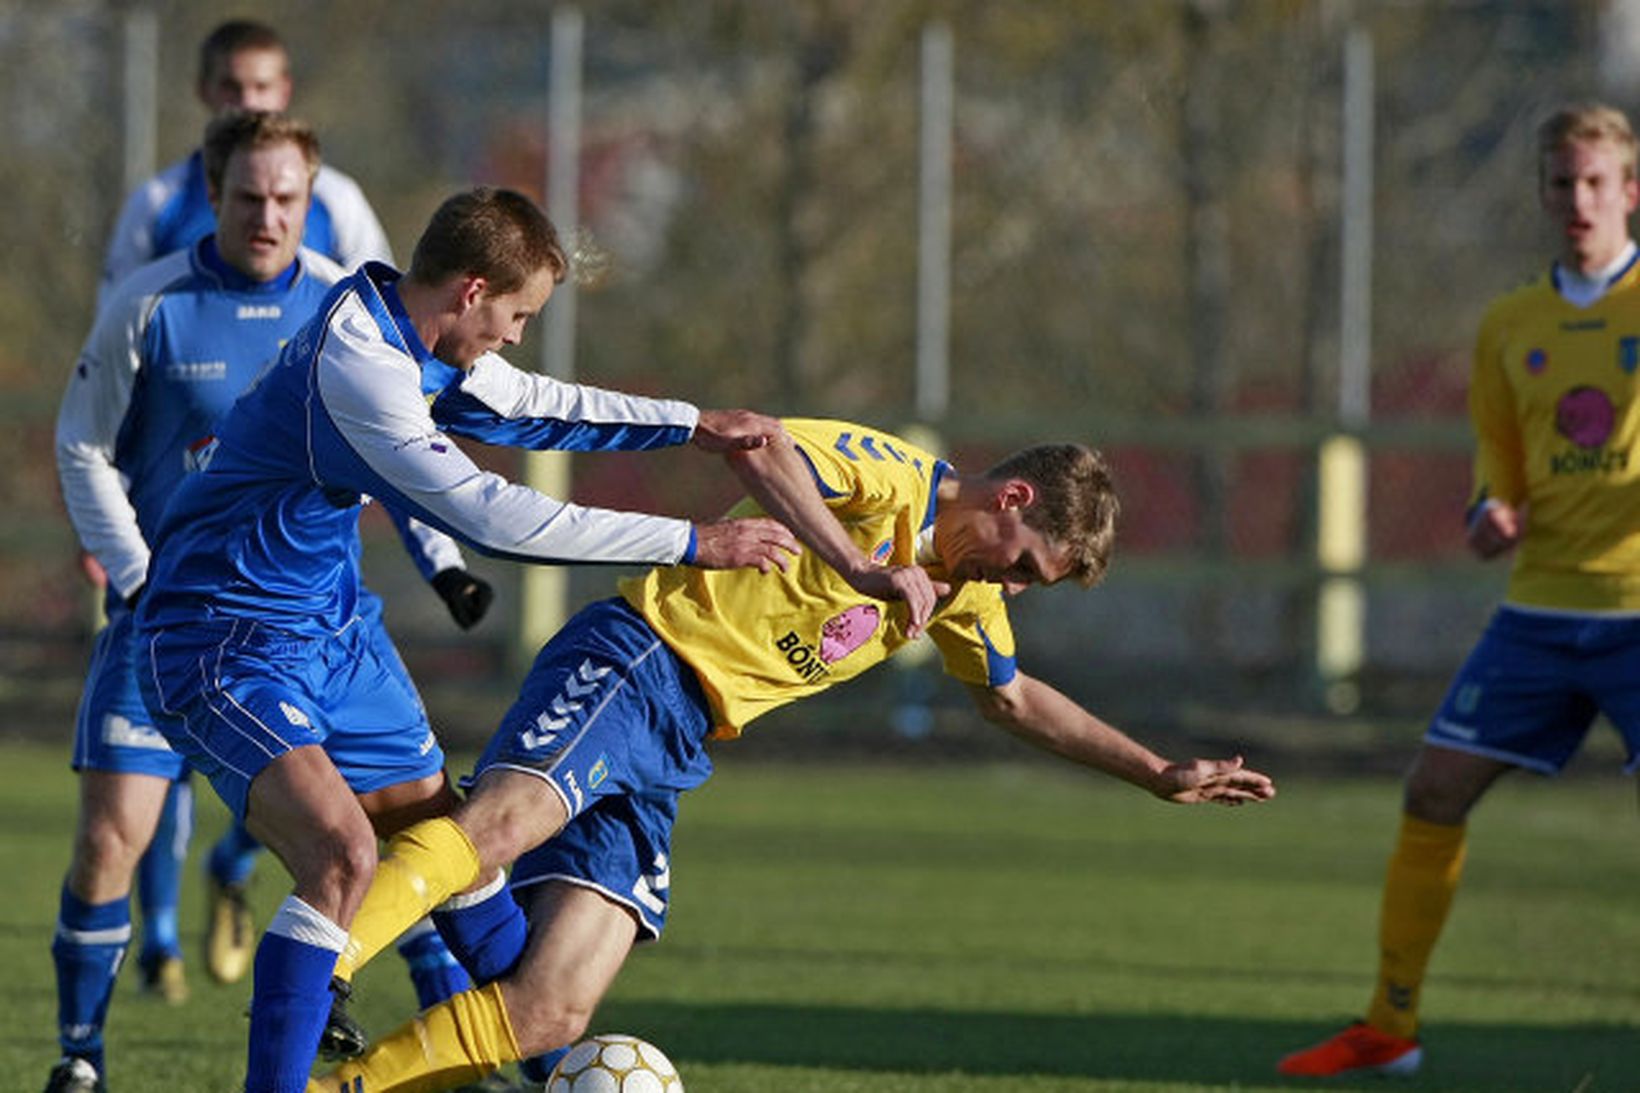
{"type": "Point", "coordinates": [294, 716]}
{"type": "Point", "coordinates": [428, 743]}
{"type": "Point", "coordinates": [650, 888]}
{"type": "Point", "coordinates": [122, 732]}
{"type": "Point", "coordinates": [577, 798]}
{"type": "Point", "coordinates": [1453, 729]}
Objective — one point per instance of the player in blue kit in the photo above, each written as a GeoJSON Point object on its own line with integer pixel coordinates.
{"type": "Point", "coordinates": [166, 358]}
{"type": "Point", "coordinates": [243, 65]}
{"type": "Point", "coordinates": [581, 782]}
{"type": "Point", "coordinates": [255, 571]}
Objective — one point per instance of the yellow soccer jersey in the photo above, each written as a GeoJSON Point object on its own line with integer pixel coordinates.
{"type": "Point", "coordinates": [1553, 401]}
{"type": "Point", "coordinates": [760, 640]}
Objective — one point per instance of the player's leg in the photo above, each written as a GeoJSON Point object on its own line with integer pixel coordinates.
{"type": "Point", "coordinates": [579, 940]}
{"type": "Point", "coordinates": [1518, 701]}
{"type": "Point", "coordinates": [230, 931]}
{"type": "Point", "coordinates": [430, 861]}
{"type": "Point", "coordinates": [124, 767]}
{"type": "Point", "coordinates": [118, 813]}
{"type": "Point", "coordinates": [159, 890]}
{"type": "Point", "coordinates": [300, 807]}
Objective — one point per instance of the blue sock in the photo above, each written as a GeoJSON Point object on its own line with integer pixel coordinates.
{"type": "Point", "coordinates": [159, 875]}
{"type": "Point", "coordinates": [90, 944]}
{"type": "Point", "coordinates": [233, 858]}
{"type": "Point", "coordinates": [485, 930]}
{"type": "Point", "coordinates": [290, 999]}
{"type": "Point", "coordinates": [539, 1068]}
{"type": "Point", "coordinates": [433, 969]}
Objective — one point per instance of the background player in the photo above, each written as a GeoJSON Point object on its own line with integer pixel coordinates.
{"type": "Point", "coordinates": [175, 345]}
{"type": "Point", "coordinates": [1557, 480]}
{"type": "Point", "coordinates": [244, 65]}
{"type": "Point", "coordinates": [588, 794]}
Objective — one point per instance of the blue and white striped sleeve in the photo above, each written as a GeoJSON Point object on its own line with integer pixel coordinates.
{"type": "Point", "coordinates": [372, 398]}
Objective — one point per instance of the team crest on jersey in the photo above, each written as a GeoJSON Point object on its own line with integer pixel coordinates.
{"type": "Point", "coordinates": [1628, 353]}
{"type": "Point", "coordinates": [883, 551]}
{"type": "Point", "coordinates": [1536, 361]}
{"type": "Point", "coordinates": [198, 454]}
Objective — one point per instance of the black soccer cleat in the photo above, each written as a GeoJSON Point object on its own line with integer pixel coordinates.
{"type": "Point", "coordinates": [343, 1038]}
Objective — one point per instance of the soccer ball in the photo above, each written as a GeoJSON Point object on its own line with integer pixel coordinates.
{"type": "Point", "coordinates": [613, 1063]}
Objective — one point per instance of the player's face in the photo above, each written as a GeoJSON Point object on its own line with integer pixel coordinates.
{"type": "Point", "coordinates": [492, 320]}
{"type": "Point", "coordinates": [251, 79]}
{"type": "Point", "coordinates": [997, 545]}
{"type": "Point", "coordinates": [262, 209]}
{"type": "Point", "coordinates": [1588, 196]}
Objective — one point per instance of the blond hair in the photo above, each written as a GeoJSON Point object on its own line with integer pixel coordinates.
{"type": "Point", "coordinates": [247, 130]}
{"type": "Point", "coordinates": [1587, 123]}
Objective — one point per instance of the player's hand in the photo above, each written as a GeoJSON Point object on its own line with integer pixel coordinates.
{"type": "Point", "coordinates": [734, 431]}
{"type": "Point", "coordinates": [1215, 781]}
{"type": "Point", "coordinates": [909, 583]}
{"type": "Point", "coordinates": [755, 541]}
{"type": "Point", "coordinates": [1495, 529]}
{"type": "Point", "coordinates": [466, 595]}
{"type": "Point", "coordinates": [91, 569]}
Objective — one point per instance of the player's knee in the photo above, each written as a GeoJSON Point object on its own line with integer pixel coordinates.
{"type": "Point", "coordinates": [102, 848]}
{"type": "Point", "coordinates": [339, 864]}
{"type": "Point", "coordinates": [544, 1023]}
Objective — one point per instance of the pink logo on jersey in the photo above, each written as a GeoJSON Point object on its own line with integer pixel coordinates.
{"type": "Point", "coordinates": [1585, 416]}
{"type": "Point", "coordinates": [842, 634]}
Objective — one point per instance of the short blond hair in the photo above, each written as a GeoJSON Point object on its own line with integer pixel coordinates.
{"type": "Point", "coordinates": [1587, 123]}
{"type": "Point", "coordinates": [1076, 505]}
{"type": "Point", "coordinates": [248, 130]}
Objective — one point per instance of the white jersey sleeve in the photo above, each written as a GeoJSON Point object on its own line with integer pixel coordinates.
{"type": "Point", "coordinates": [89, 419]}
{"type": "Point", "coordinates": [374, 402]}
{"type": "Point", "coordinates": [132, 244]}
{"type": "Point", "coordinates": [359, 235]}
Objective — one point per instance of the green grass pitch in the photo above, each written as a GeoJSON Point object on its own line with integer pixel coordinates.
{"type": "Point", "coordinates": [992, 929]}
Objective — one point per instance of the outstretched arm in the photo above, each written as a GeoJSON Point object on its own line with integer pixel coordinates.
{"type": "Point", "coordinates": [779, 480]}
{"type": "Point", "coordinates": [1036, 712]}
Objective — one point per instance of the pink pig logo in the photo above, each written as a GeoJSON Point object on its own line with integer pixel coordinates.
{"type": "Point", "coordinates": [842, 634]}
{"type": "Point", "coordinates": [1585, 416]}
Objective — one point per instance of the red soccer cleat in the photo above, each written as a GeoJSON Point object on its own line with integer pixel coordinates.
{"type": "Point", "coordinates": [1359, 1047]}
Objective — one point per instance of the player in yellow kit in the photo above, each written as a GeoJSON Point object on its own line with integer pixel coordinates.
{"type": "Point", "coordinates": [1557, 480]}
{"type": "Point", "coordinates": [582, 778]}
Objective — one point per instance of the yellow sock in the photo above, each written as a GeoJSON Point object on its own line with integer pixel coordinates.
{"type": "Point", "coordinates": [460, 1040]}
{"type": "Point", "coordinates": [425, 865]}
{"type": "Point", "coordinates": [1422, 879]}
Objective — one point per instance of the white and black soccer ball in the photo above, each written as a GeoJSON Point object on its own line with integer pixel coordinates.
{"type": "Point", "coordinates": [613, 1063]}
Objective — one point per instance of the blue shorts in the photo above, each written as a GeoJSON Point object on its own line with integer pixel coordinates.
{"type": "Point", "coordinates": [233, 695]}
{"type": "Point", "coordinates": [1533, 685]}
{"type": "Point", "coordinates": [616, 724]}
{"type": "Point", "coordinates": [112, 731]}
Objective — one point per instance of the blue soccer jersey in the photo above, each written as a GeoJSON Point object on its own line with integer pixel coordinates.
{"type": "Point", "coordinates": [172, 211]}
{"type": "Point", "coordinates": [354, 407]}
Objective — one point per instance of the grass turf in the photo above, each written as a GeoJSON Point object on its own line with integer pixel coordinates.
{"type": "Point", "coordinates": [999, 928]}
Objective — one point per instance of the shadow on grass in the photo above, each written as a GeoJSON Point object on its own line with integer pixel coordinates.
{"type": "Point", "coordinates": [1209, 1051]}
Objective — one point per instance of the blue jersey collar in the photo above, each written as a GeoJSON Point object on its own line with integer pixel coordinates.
{"type": "Point", "coordinates": [211, 262]}
{"type": "Point", "coordinates": [435, 374]}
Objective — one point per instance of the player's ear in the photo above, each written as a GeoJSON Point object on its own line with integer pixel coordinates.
{"type": "Point", "coordinates": [470, 290]}
{"type": "Point", "coordinates": [1015, 493]}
